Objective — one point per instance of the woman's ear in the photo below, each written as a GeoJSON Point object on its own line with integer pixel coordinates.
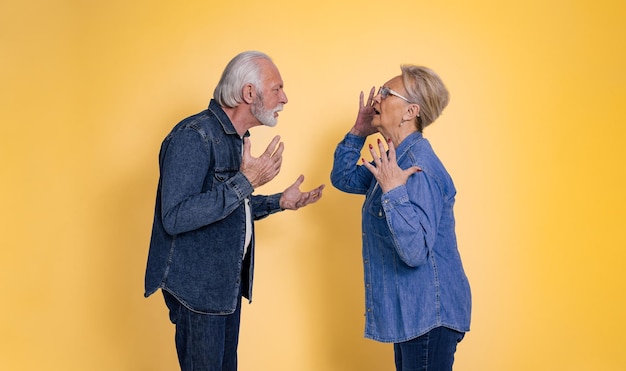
{"type": "Point", "coordinates": [412, 112]}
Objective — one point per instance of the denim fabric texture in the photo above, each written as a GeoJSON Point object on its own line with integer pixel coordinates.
{"type": "Point", "coordinates": [414, 278]}
{"type": "Point", "coordinates": [197, 242]}
{"type": "Point", "coordinates": [433, 351]}
{"type": "Point", "coordinates": [204, 341]}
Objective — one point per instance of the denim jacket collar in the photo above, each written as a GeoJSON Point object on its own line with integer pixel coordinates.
{"type": "Point", "coordinates": [407, 143]}
{"type": "Point", "coordinates": [223, 118]}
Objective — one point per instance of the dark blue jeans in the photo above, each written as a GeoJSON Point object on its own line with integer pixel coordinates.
{"type": "Point", "coordinates": [204, 342]}
{"type": "Point", "coordinates": [433, 351]}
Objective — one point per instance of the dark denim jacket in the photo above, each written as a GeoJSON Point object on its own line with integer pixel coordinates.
{"type": "Point", "coordinates": [414, 279]}
{"type": "Point", "coordinates": [197, 244]}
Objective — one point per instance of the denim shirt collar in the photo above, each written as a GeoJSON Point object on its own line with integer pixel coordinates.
{"type": "Point", "coordinates": [407, 143]}
{"type": "Point", "coordinates": [223, 118]}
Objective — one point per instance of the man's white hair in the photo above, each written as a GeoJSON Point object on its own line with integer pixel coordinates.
{"type": "Point", "coordinates": [241, 70]}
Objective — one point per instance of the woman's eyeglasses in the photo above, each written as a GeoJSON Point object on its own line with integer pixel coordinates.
{"type": "Point", "coordinates": [385, 92]}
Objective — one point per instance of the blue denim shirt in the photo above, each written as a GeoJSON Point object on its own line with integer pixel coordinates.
{"type": "Point", "coordinates": [414, 278]}
{"type": "Point", "coordinates": [197, 244]}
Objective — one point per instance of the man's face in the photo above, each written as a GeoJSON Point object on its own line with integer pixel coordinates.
{"type": "Point", "coordinates": [266, 116]}
{"type": "Point", "coordinates": [270, 97]}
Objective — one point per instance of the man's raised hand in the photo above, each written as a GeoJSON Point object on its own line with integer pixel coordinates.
{"type": "Point", "coordinates": [262, 169]}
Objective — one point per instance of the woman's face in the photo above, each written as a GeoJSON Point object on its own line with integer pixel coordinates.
{"type": "Point", "coordinates": [389, 110]}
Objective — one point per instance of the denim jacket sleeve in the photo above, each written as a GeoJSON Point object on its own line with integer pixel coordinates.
{"type": "Point", "coordinates": [262, 206]}
{"type": "Point", "coordinates": [412, 212]}
{"type": "Point", "coordinates": [186, 203]}
{"type": "Point", "coordinates": [346, 175]}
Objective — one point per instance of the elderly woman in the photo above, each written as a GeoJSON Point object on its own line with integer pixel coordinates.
{"type": "Point", "coordinates": [417, 295]}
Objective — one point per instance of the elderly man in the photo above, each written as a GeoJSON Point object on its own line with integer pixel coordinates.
{"type": "Point", "coordinates": [202, 247]}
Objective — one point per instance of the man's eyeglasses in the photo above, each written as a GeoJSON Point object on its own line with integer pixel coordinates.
{"type": "Point", "coordinates": [385, 91]}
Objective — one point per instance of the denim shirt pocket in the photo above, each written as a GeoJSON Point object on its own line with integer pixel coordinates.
{"type": "Point", "coordinates": [378, 218]}
{"type": "Point", "coordinates": [222, 174]}
{"type": "Point", "coordinates": [375, 208]}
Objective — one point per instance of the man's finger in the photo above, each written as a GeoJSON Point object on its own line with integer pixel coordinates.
{"type": "Point", "coordinates": [272, 146]}
{"type": "Point", "coordinates": [279, 152]}
{"type": "Point", "coordinates": [299, 181]}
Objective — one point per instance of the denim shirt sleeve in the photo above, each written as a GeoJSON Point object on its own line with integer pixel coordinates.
{"type": "Point", "coordinates": [412, 213]}
{"type": "Point", "coordinates": [346, 175]}
{"type": "Point", "coordinates": [186, 206]}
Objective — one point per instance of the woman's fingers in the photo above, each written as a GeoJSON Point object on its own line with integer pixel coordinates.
{"type": "Point", "coordinates": [370, 99]}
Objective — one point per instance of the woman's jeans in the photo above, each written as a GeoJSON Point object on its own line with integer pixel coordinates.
{"type": "Point", "coordinates": [433, 351]}
{"type": "Point", "coordinates": [204, 342]}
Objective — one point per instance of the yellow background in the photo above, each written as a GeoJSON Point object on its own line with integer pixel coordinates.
{"type": "Point", "coordinates": [534, 137]}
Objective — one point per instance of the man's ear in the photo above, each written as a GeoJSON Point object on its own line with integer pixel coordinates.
{"type": "Point", "coordinates": [412, 112]}
{"type": "Point", "coordinates": [249, 93]}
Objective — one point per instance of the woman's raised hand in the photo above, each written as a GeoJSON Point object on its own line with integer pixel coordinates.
{"type": "Point", "coordinates": [363, 125]}
{"type": "Point", "coordinates": [386, 170]}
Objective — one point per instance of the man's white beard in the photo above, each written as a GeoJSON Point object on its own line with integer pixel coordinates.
{"type": "Point", "coordinates": [265, 116]}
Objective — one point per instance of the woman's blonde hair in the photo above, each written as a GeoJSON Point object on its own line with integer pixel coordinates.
{"type": "Point", "coordinates": [425, 88]}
